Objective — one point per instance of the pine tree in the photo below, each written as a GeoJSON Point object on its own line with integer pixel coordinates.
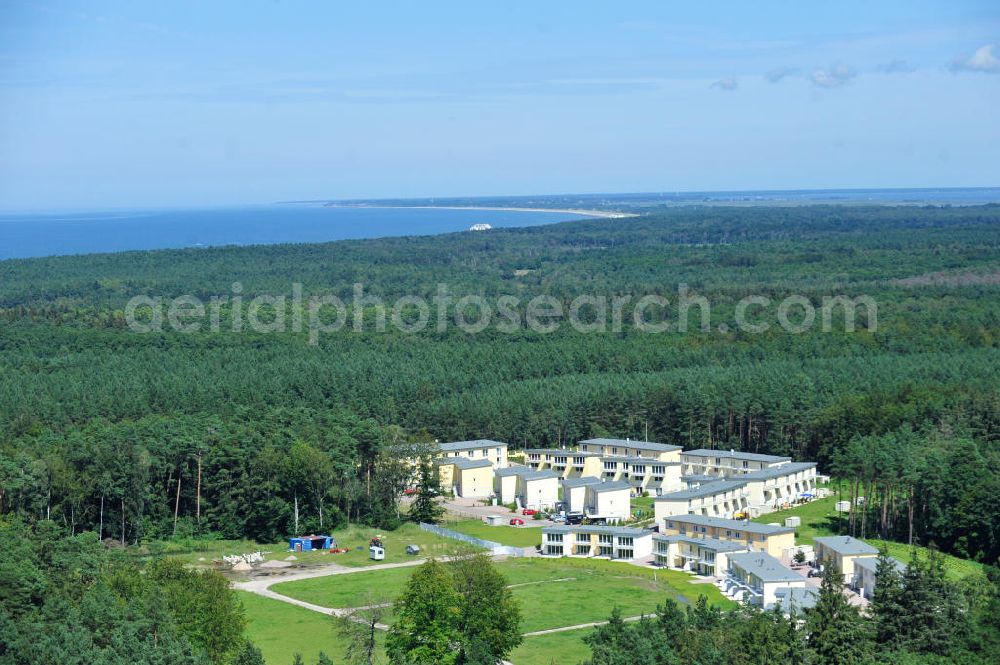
{"type": "Point", "coordinates": [425, 507]}
{"type": "Point", "coordinates": [836, 633]}
{"type": "Point", "coordinates": [887, 613]}
{"type": "Point", "coordinates": [250, 655]}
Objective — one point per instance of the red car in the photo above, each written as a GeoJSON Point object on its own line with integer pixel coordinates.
{"type": "Point", "coordinates": [516, 521]}
{"type": "Point", "coordinates": [529, 511]}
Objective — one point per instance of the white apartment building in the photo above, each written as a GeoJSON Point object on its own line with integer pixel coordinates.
{"type": "Point", "coordinates": [610, 501]}
{"type": "Point", "coordinates": [565, 462]}
{"type": "Point", "coordinates": [724, 463]}
{"type": "Point", "coordinates": [574, 494]}
{"type": "Point", "coordinates": [702, 556]}
{"type": "Point", "coordinates": [775, 540]}
{"type": "Point", "coordinates": [763, 581]}
{"type": "Point", "coordinates": [494, 451]}
{"type": "Point", "coordinates": [527, 488]}
{"type": "Point", "coordinates": [721, 498]}
{"type": "Point", "coordinates": [666, 452]}
{"type": "Point", "coordinates": [596, 541]}
{"type": "Point", "coordinates": [841, 552]}
{"type": "Point", "coordinates": [865, 577]}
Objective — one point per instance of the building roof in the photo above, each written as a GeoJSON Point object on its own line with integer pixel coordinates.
{"type": "Point", "coordinates": [778, 471]}
{"type": "Point", "coordinates": [764, 567]}
{"type": "Point", "coordinates": [513, 470]}
{"type": "Point", "coordinates": [696, 478]}
{"type": "Point", "coordinates": [463, 462]}
{"type": "Point", "coordinates": [638, 445]}
{"type": "Point", "coordinates": [870, 563]}
{"type": "Point", "coordinates": [708, 489]}
{"type": "Point", "coordinates": [544, 474]}
{"type": "Point", "coordinates": [733, 454]}
{"type": "Point", "coordinates": [568, 452]}
{"type": "Point", "coordinates": [581, 481]}
{"type": "Point", "coordinates": [736, 525]}
{"type": "Point", "coordinates": [801, 598]}
{"type": "Point", "coordinates": [708, 543]}
{"type": "Point", "coordinates": [630, 459]}
{"type": "Point", "coordinates": [611, 486]}
{"type": "Point", "coordinates": [845, 545]}
{"type": "Point", "coordinates": [476, 444]}
{"type": "Point", "coordinates": [624, 531]}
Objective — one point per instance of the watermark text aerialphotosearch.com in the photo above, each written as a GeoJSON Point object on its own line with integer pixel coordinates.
{"type": "Point", "coordinates": [588, 313]}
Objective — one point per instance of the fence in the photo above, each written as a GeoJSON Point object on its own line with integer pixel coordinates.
{"type": "Point", "coordinates": [495, 548]}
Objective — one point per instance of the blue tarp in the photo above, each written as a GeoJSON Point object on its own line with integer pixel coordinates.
{"type": "Point", "coordinates": [307, 543]}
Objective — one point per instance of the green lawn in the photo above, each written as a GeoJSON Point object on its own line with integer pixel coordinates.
{"type": "Point", "coordinates": [522, 536]}
{"type": "Point", "coordinates": [347, 590]}
{"type": "Point", "coordinates": [820, 519]}
{"type": "Point", "coordinates": [280, 630]}
{"type": "Point", "coordinates": [643, 504]}
{"type": "Point", "coordinates": [566, 648]}
{"type": "Point", "coordinates": [553, 592]}
{"type": "Point", "coordinates": [203, 552]}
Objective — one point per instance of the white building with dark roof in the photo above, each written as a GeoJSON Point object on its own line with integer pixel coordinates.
{"type": "Point", "coordinates": [596, 541]}
{"type": "Point", "coordinates": [526, 487]}
{"type": "Point", "coordinates": [865, 574]}
{"type": "Point", "coordinates": [574, 492]}
{"type": "Point", "coordinates": [723, 463]}
{"type": "Point", "coordinates": [609, 501]}
{"type": "Point", "coordinates": [721, 498]}
{"type": "Point", "coordinates": [841, 552]}
{"type": "Point", "coordinates": [758, 577]}
{"type": "Point", "coordinates": [494, 451]}
{"type": "Point", "coordinates": [702, 556]}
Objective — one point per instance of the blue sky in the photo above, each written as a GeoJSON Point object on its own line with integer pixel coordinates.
{"type": "Point", "coordinates": [139, 104]}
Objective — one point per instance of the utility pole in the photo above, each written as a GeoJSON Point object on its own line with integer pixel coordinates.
{"type": "Point", "coordinates": [197, 504]}
{"type": "Point", "coordinates": [177, 501]}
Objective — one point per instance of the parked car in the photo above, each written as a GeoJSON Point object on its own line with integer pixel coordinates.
{"type": "Point", "coordinates": [516, 521]}
{"type": "Point", "coordinates": [574, 518]}
{"type": "Point", "coordinates": [528, 511]}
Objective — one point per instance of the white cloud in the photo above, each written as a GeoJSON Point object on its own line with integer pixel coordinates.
{"type": "Point", "coordinates": [779, 73]}
{"type": "Point", "coordinates": [982, 60]}
{"type": "Point", "coordinates": [728, 84]}
{"type": "Point", "coordinates": [897, 67]}
{"type": "Point", "coordinates": [832, 77]}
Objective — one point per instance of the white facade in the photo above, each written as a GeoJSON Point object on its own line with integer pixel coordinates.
{"type": "Point", "coordinates": [865, 577]}
{"type": "Point", "coordinates": [538, 492]}
{"type": "Point", "coordinates": [494, 451]}
{"type": "Point", "coordinates": [596, 541]}
{"type": "Point", "coordinates": [575, 493]}
{"type": "Point", "coordinates": [757, 577]}
{"type": "Point", "coordinates": [609, 501]}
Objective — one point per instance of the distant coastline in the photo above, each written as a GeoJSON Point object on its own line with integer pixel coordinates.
{"type": "Point", "coordinates": [607, 214]}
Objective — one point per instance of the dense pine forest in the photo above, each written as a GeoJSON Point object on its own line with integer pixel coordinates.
{"type": "Point", "coordinates": [98, 423]}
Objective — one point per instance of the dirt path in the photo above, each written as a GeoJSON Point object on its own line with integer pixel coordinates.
{"type": "Point", "coordinates": [562, 629]}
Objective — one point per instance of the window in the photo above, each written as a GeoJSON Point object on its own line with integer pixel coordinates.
{"type": "Point", "coordinates": [554, 549]}
{"type": "Point", "coordinates": [670, 525]}
{"type": "Point", "coordinates": [555, 537]}
{"type": "Point", "coordinates": [624, 542]}
{"type": "Point", "coordinates": [624, 554]}
{"type": "Point", "coordinates": [604, 539]}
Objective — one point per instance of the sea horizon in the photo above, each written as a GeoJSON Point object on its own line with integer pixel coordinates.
{"type": "Point", "coordinates": [26, 235]}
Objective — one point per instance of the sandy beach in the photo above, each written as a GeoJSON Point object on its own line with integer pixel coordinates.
{"type": "Point", "coordinates": [589, 213]}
